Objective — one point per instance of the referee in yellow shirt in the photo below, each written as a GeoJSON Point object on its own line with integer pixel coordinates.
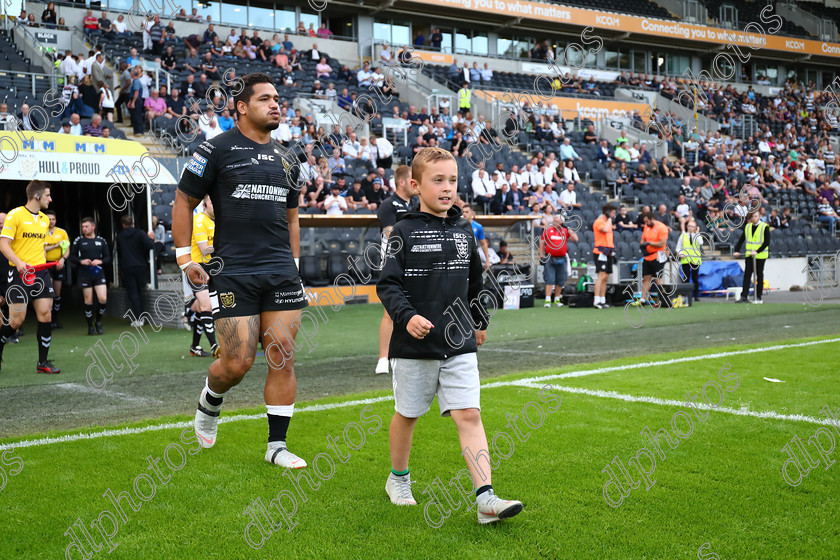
{"type": "Point", "coordinates": [201, 251]}
{"type": "Point", "coordinates": [22, 241]}
{"type": "Point", "coordinates": [58, 247]}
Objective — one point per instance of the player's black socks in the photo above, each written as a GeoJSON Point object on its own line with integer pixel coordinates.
{"type": "Point", "coordinates": [197, 329]}
{"type": "Point", "coordinates": [482, 490]}
{"type": "Point", "coordinates": [207, 321]}
{"type": "Point", "coordinates": [56, 307]}
{"type": "Point", "coordinates": [279, 417]}
{"type": "Point", "coordinates": [6, 332]}
{"type": "Point", "coordinates": [100, 310]}
{"type": "Point", "coordinates": [89, 313]}
{"type": "Point", "coordinates": [44, 339]}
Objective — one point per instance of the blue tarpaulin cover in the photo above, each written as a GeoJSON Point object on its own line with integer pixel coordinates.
{"type": "Point", "coordinates": [712, 274]}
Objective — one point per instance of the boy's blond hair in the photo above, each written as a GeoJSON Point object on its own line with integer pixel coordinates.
{"type": "Point", "coordinates": [427, 156]}
{"type": "Point", "coordinates": [403, 172]}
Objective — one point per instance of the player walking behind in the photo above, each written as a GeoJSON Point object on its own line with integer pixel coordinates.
{"type": "Point", "coordinates": [58, 247]}
{"type": "Point", "coordinates": [22, 241]}
{"type": "Point", "coordinates": [90, 252]}
{"type": "Point", "coordinates": [391, 208]}
{"type": "Point", "coordinates": [432, 263]}
{"type": "Point", "coordinates": [252, 181]}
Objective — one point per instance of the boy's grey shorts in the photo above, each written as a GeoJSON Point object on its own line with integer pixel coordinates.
{"type": "Point", "coordinates": [454, 380]}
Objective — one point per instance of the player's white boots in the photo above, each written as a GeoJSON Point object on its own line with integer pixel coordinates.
{"type": "Point", "coordinates": [206, 421]}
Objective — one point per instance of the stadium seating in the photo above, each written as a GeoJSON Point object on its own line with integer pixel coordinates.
{"type": "Point", "coordinates": [750, 11]}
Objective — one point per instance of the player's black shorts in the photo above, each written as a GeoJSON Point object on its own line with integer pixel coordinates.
{"type": "Point", "coordinates": [57, 275]}
{"type": "Point", "coordinates": [652, 268]}
{"type": "Point", "coordinates": [603, 266]}
{"type": "Point", "coordinates": [89, 279]}
{"type": "Point", "coordinates": [19, 292]}
{"type": "Point", "coordinates": [241, 296]}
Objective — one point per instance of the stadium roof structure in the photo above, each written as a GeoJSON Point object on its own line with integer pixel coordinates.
{"type": "Point", "coordinates": [559, 20]}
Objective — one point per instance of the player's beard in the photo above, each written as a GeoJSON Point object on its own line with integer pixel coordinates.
{"type": "Point", "coordinates": [269, 124]}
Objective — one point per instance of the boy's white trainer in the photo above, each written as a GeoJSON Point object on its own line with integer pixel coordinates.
{"type": "Point", "coordinates": [491, 508]}
{"type": "Point", "coordinates": [284, 458]}
{"type": "Point", "coordinates": [399, 490]}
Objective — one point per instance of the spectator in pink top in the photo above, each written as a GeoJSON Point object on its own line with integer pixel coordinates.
{"type": "Point", "coordinates": [282, 59]}
{"type": "Point", "coordinates": [323, 32]}
{"type": "Point", "coordinates": [155, 105]}
{"type": "Point", "coordinates": [322, 69]}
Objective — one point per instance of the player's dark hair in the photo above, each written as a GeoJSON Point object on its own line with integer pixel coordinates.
{"type": "Point", "coordinates": [245, 87]}
{"type": "Point", "coordinates": [89, 219]}
{"type": "Point", "coordinates": [50, 212]}
{"type": "Point", "coordinates": [607, 209]}
{"type": "Point", "coordinates": [36, 189]}
{"type": "Point", "coordinates": [127, 220]}
{"type": "Point", "coordinates": [648, 215]}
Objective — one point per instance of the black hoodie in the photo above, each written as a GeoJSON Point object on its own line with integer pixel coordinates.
{"type": "Point", "coordinates": [433, 269]}
{"type": "Point", "coordinates": [133, 246]}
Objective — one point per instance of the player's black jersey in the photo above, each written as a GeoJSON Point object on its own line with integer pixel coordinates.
{"type": "Point", "coordinates": [92, 248]}
{"type": "Point", "coordinates": [252, 186]}
{"type": "Point", "coordinates": [392, 208]}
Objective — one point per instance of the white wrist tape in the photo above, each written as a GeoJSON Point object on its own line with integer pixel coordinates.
{"type": "Point", "coordinates": [297, 263]}
{"type": "Point", "coordinates": [181, 251]}
{"type": "Point", "coordinates": [186, 265]}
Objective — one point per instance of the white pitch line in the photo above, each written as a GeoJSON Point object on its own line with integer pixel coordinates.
{"type": "Point", "coordinates": [80, 388]}
{"type": "Point", "coordinates": [683, 404]}
{"type": "Point", "coordinates": [530, 382]}
{"type": "Point", "coordinates": [586, 372]}
{"type": "Point", "coordinates": [173, 425]}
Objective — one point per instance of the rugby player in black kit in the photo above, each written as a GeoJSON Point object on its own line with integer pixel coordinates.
{"type": "Point", "coordinates": [252, 182]}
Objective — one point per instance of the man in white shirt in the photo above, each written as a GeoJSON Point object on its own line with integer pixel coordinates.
{"type": "Point", "coordinates": [282, 133]}
{"type": "Point", "coordinates": [634, 152]}
{"type": "Point", "coordinates": [334, 203]}
{"type": "Point", "coordinates": [486, 73]}
{"type": "Point", "coordinates": [365, 151]}
{"type": "Point", "coordinates": [233, 37]}
{"type": "Point", "coordinates": [535, 177]}
{"type": "Point", "coordinates": [479, 168]}
{"type": "Point", "coordinates": [119, 26]}
{"type": "Point", "coordinates": [522, 177]}
{"type": "Point", "coordinates": [209, 125]}
{"type": "Point", "coordinates": [363, 76]}
{"type": "Point", "coordinates": [383, 150]}
{"type": "Point", "coordinates": [569, 197]}
{"type": "Point", "coordinates": [502, 179]}
{"type": "Point", "coordinates": [350, 148]}
{"type": "Point", "coordinates": [483, 187]}
{"type": "Point", "coordinates": [68, 66]}
{"type": "Point", "coordinates": [385, 55]}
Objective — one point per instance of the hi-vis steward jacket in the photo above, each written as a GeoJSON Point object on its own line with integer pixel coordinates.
{"type": "Point", "coordinates": [432, 268]}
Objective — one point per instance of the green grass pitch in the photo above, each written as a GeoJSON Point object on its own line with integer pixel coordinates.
{"type": "Point", "coordinates": [719, 491]}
